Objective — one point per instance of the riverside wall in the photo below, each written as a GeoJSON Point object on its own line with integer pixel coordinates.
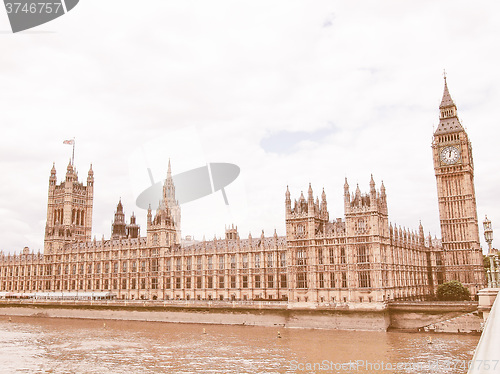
{"type": "Point", "coordinates": [401, 316]}
{"type": "Point", "coordinates": [456, 316]}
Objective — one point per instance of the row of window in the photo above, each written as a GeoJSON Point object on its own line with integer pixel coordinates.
{"type": "Point", "coordinates": [259, 282]}
{"type": "Point", "coordinates": [59, 269]}
{"type": "Point", "coordinates": [364, 280]}
{"type": "Point", "coordinates": [362, 256]}
{"type": "Point", "coordinates": [232, 261]}
{"type": "Point", "coordinates": [324, 280]}
{"type": "Point", "coordinates": [133, 266]}
{"type": "Point", "coordinates": [301, 258]}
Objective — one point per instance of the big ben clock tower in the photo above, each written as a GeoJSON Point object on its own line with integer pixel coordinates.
{"type": "Point", "coordinates": [454, 169]}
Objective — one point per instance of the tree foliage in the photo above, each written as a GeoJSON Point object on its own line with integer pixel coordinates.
{"type": "Point", "coordinates": [452, 291]}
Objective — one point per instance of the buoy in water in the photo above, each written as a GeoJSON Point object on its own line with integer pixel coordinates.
{"type": "Point", "coordinates": [204, 331]}
{"type": "Point", "coordinates": [429, 341]}
{"type": "Point", "coordinates": [279, 335]}
{"type": "Point", "coordinates": [10, 319]}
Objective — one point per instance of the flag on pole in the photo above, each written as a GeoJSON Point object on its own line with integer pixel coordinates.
{"type": "Point", "coordinates": [71, 142]}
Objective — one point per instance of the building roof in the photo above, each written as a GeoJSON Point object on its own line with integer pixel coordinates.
{"type": "Point", "coordinates": [448, 125]}
{"type": "Point", "coordinates": [446, 101]}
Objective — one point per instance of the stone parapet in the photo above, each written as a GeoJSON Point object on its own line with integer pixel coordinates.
{"type": "Point", "coordinates": [487, 297]}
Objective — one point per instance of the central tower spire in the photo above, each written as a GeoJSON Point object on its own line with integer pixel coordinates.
{"type": "Point", "coordinates": [171, 202]}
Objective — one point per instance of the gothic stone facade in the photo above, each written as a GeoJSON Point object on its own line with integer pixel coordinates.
{"type": "Point", "coordinates": [361, 258]}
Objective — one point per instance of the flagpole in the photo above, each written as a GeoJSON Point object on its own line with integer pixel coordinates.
{"type": "Point", "coordinates": [72, 142]}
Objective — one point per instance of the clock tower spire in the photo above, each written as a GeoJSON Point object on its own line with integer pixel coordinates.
{"type": "Point", "coordinates": [448, 120]}
{"type": "Point", "coordinates": [454, 169]}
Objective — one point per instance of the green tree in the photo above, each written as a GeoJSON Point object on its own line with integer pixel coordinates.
{"type": "Point", "coordinates": [452, 291]}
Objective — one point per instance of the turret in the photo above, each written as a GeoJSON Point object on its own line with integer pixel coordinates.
{"type": "Point", "coordinates": [70, 172]}
{"type": "Point", "coordinates": [383, 198]}
{"type": "Point", "coordinates": [150, 216]}
{"type": "Point", "coordinates": [356, 198]}
{"type": "Point", "coordinates": [310, 201]}
{"type": "Point", "coordinates": [288, 202]}
{"type": "Point", "coordinates": [421, 235]}
{"type": "Point", "coordinates": [133, 229]}
{"type": "Point", "coordinates": [118, 227]}
{"type": "Point", "coordinates": [310, 197]}
{"type": "Point", "coordinates": [90, 177]}
{"type": "Point", "coordinates": [302, 203]}
{"type": "Point", "coordinates": [358, 192]}
{"type": "Point", "coordinates": [232, 233]}
{"type": "Point", "coordinates": [53, 179]}
{"type": "Point", "coordinates": [373, 192]}
{"type": "Point", "coordinates": [323, 206]}
{"type": "Point", "coordinates": [347, 196]}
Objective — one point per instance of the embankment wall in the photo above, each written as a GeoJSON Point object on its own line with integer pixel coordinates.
{"type": "Point", "coordinates": [377, 320]}
{"type": "Point", "coordinates": [401, 316]}
{"type": "Point", "coordinates": [418, 315]}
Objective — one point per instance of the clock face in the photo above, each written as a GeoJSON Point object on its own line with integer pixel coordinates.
{"type": "Point", "coordinates": [450, 155]}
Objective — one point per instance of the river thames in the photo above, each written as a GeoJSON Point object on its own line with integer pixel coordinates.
{"type": "Point", "coordinates": [44, 345]}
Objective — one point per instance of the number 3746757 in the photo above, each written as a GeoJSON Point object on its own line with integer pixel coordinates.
{"type": "Point", "coordinates": [33, 8]}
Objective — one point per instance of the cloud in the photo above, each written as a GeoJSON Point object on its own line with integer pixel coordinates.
{"type": "Point", "coordinates": [284, 142]}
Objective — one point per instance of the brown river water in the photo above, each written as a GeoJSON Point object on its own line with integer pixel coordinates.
{"type": "Point", "coordinates": [44, 345]}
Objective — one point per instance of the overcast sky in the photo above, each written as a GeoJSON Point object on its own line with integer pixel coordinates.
{"type": "Point", "coordinates": [290, 91]}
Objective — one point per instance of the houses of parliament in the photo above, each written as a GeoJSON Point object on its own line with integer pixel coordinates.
{"type": "Point", "coordinates": [360, 258]}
